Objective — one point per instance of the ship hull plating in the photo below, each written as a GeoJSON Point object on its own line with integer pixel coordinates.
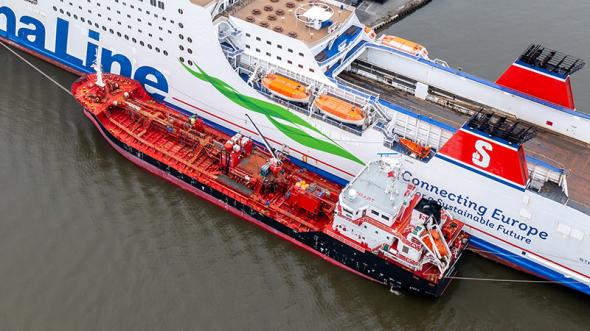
{"type": "Point", "coordinates": [59, 39]}
{"type": "Point", "coordinates": [364, 264]}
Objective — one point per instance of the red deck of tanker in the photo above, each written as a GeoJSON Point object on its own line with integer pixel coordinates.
{"type": "Point", "coordinates": [296, 198]}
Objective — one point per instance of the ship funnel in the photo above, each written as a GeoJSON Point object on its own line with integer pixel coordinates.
{"type": "Point", "coordinates": [491, 145]}
{"type": "Point", "coordinates": [543, 73]}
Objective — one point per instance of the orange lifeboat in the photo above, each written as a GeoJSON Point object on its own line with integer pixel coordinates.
{"type": "Point", "coordinates": [404, 45]}
{"type": "Point", "coordinates": [286, 88]}
{"type": "Point", "coordinates": [340, 110]}
{"type": "Point", "coordinates": [438, 244]}
{"type": "Point", "coordinates": [421, 152]}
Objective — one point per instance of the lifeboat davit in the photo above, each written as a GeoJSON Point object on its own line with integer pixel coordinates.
{"type": "Point", "coordinates": [404, 45]}
{"type": "Point", "coordinates": [340, 110]}
{"type": "Point", "coordinates": [286, 88]}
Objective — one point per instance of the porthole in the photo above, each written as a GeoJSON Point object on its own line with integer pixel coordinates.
{"type": "Point", "coordinates": [165, 52]}
{"type": "Point", "coordinates": [190, 51]}
{"type": "Point", "coordinates": [181, 47]}
{"type": "Point", "coordinates": [181, 59]}
{"type": "Point", "coordinates": [180, 11]}
{"type": "Point", "coordinates": [189, 39]}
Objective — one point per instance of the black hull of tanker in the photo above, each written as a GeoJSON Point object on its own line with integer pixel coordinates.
{"type": "Point", "coordinates": [365, 263]}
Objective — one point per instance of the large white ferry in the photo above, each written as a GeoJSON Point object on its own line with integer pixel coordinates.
{"type": "Point", "coordinates": [332, 95]}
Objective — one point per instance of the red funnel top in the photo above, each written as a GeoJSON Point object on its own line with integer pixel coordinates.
{"type": "Point", "coordinates": [543, 73]}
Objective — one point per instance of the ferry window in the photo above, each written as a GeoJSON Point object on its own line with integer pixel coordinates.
{"type": "Point", "coordinates": [311, 70]}
{"type": "Point", "coordinates": [141, 43]}
{"type": "Point", "coordinates": [289, 50]}
{"type": "Point", "coordinates": [279, 58]}
{"type": "Point", "coordinates": [248, 35]}
{"type": "Point", "coordinates": [300, 66]}
{"type": "Point", "coordinates": [365, 226]}
{"type": "Point", "coordinates": [158, 49]}
{"type": "Point", "coordinates": [258, 38]}
{"type": "Point", "coordinates": [150, 46]}
{"type": "Point", "coordinates": [134, 40]}
{"type": "Point", "coordinates": [289, 61]}
{"type": "Point", "coordinates": [268, 42]}
{"type": "Point", "coordinates": [300, 54]}
{"type": "Point", "coordinates": [247, 46]}
{"type": "Point", "coordinates": [258, 50]}
{"type": "Point", "coordinates": [268, 54]}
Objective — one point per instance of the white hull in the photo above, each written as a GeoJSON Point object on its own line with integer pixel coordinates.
{"type": "Point", "coordinates": [553, 250]}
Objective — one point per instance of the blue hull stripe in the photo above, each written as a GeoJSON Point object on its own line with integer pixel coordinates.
{"type": "Point", "coordinates": [514, 186]}
{"type": "Point", "coordinates": [528, 265]}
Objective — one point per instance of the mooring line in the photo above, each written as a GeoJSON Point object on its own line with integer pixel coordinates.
{"type": "Point", "coordinates": [36, 68]}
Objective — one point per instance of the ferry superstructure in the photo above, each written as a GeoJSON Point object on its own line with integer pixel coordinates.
{"type": "Point", "coordinates": [210, 58]}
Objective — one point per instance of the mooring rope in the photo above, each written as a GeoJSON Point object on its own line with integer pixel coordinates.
{"type": "Point", "coordinates": [36, 68]}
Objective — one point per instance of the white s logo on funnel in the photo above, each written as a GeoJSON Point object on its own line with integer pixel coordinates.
{"type": "Point", "coordinates": [481, 157]}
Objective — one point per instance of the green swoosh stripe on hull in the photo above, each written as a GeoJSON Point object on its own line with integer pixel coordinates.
{"type": "Point", "coordinates": [273, 112]}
